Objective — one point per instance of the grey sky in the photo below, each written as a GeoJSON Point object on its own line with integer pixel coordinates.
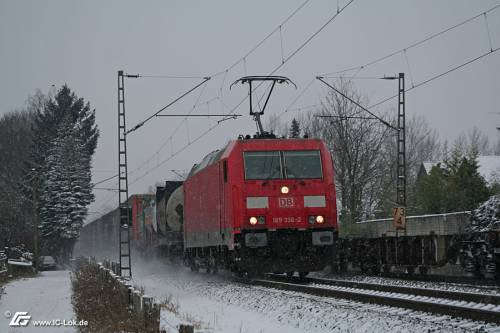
{"type": "Point", "coordinates": [84, 43]}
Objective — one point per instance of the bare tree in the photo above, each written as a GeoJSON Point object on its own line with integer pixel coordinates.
{"type": "Point", "coordinates": [276, 125]}
{"type": "Point", "coordinates": [364, 152]}
{"type": "Point", "coordinates": [479, 144]}
{"type": "Point", "coordinates": [356, 145]}
{"type": "Point", "coordinates": [422, 144]}
{"type": "Point", "coordinates": [473, 143]}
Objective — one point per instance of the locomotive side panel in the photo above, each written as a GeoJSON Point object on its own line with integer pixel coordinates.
{"type": "Point", "coordinates": [202, 208]}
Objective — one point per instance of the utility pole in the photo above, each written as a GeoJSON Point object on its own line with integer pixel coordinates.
{"type": "Point", "coordinates": [124, 233]}
{"type": "Point", "coordinates": [123, 204]}
{"type": "Point", "coordinates": [399, 212]}
{"type": "Point", "coordinates": [34, 198]}
{"type": "Point", "coordinates": [401, 174]}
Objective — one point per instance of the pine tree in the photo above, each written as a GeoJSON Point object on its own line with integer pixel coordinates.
{"type": "Point", "coordinates": [454, 186]}
{"type": "Point", "coordinates": [66, 138]}
{"type": "Point", "coordinates": [431, 192]}
{"type": "Point", "coordinates": [52, 111]}
{"type": "Point", "coordinates": [295, 129]}
{"type": "Point", "coordinates": [467, 187]}
{"type": "Point", "coordinates": [66, 190]}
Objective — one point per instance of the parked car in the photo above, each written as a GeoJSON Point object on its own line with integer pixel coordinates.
{"type": "Point", "coordinates": [47, 263]}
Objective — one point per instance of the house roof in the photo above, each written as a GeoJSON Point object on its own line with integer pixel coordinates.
{"type": "Point", "coordinates": [489, 167]}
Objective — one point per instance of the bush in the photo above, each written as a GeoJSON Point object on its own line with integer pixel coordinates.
{"type": "Point", "coordinates": [99, 299]}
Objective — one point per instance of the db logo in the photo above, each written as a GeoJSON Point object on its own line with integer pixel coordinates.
{"type": "Point", "coordinates": [286, 202]}
{"type": "Point", "coordinates": [20, 319]}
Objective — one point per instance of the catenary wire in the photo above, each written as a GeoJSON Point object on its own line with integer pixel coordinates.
{"type": "Point", "coordinates": [307, 41]}
{"type": "Point", "coordinates": [326, 75]}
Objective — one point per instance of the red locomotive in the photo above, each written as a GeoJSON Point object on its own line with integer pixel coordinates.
{"type": "Point", "coordinates": [261, 205]}
{"type": "Point", "coordinates": [257, 205]}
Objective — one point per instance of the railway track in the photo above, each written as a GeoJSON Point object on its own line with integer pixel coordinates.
{"type": "Point", "coordinates": [479, 307]}
{"type": "Point", "coordinates": [469, 280]}
{"type": "Point", "coordinates": [427, 292]}
{"type": "Point", "coordinates": [476, 281]}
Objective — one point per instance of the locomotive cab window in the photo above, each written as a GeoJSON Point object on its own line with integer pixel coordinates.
{"type": "Point", "coordinates": [302, 164]}
{"type": "Point", "coordinates": [262, 165]}
{"type": "Point", "coordinates": [296, 164]}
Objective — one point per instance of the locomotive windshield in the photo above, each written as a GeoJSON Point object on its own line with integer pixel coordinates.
{"type": "Point", "coordinates": [302, 164]}
{"type": "Point", "coordinates": [296, 164]}
{"type": "Point", "coordinates": [263, 165]}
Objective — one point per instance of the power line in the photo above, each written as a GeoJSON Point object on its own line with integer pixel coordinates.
{"type": "Point", "coordinates": [174, 154]}
{"type": "Point", "coordinates": [304, 44]}
{"type": "Point", "coordinates": [437, 76]}
{"type": "Point", "coordinates": [232, 110]}
{"type": "Point", "coordinates": [307, 41]}
{"type": "Point", "coordinates": [105, 180]}
{"type": "Point", "coordinates": [297, 98]}
{"type": "Point", "coordinates": [169, 139]}
{"type": "Point", "coordinates": [383, 121]}
{"type": "Point", "coordinates": [205, 80]}
{"type": "Point", "coordinates": [278, 28]}
{"type": "Point", "coordinates": [326, 75]}
{"type": "Point", "coordinates": [168, 77]}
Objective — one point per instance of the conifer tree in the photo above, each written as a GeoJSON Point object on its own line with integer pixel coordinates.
{"type": "Point", "coordinates": [66, 138]}
{"type": "Point", "coordinates": [295, 129]}
{"type": "Point", "coordinates": [453, 186]}
{"type": "Point", "coordinates": [66, 191]}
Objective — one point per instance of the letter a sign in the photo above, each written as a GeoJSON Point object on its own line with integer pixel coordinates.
{"type": "Point", "coordinates": [399, 217]}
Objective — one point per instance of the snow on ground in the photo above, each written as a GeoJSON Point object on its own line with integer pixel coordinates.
{"type": "Point", "coordinates": [219, 305]}
{"type": "Point", "coordinates": [45, 297]}
{"type": "Point", "coordinates": [410, 283]}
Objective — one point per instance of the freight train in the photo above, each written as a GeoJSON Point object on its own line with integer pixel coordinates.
{"type": "Point", "coordinates": [438, 244]}
{"type": "Point", "coordinates": [257, 205]}
{"type": "Point", "coordinates": [269, 205]}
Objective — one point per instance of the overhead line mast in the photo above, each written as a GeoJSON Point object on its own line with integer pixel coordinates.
{"type": "Point", "coordinates": [123, 208]}
{"type": "Point", "coordinates": [399, 212]}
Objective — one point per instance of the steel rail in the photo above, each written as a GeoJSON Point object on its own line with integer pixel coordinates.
{"type": "Point", "coordinates": [427, 292]}
{"type": "Point", "coordinates": [394, 299]}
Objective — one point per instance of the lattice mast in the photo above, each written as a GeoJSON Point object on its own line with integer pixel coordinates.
{"type": "Point", "coordinates": [124, 233]}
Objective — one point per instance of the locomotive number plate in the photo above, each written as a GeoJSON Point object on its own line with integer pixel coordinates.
{"type": "Point", "coordinates": [286, 202]}
{"type": "Point", "coordinates": [289, 219]}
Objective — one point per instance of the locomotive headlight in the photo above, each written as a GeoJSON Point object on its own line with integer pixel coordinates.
{"type": "Point", "coordinates": [261, 219]}
{"type": "Point", "coordinates": [285, 189]}
{"type": "Point", "coordinates": [320, 219]}
{"type": "Point", "coordinates": [311, 219]}
{"type": "Point", "coordinates": [253, 220]}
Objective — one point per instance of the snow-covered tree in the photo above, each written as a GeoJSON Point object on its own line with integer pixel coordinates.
{"type": "Point", "coordinates": [66, 190]}
{"type": "Point", "coordinates": [65, 140]}
{"type": "Point", "coordinates": [455, 185]}
{"type": "Point", "coordinates": [486, 215]}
